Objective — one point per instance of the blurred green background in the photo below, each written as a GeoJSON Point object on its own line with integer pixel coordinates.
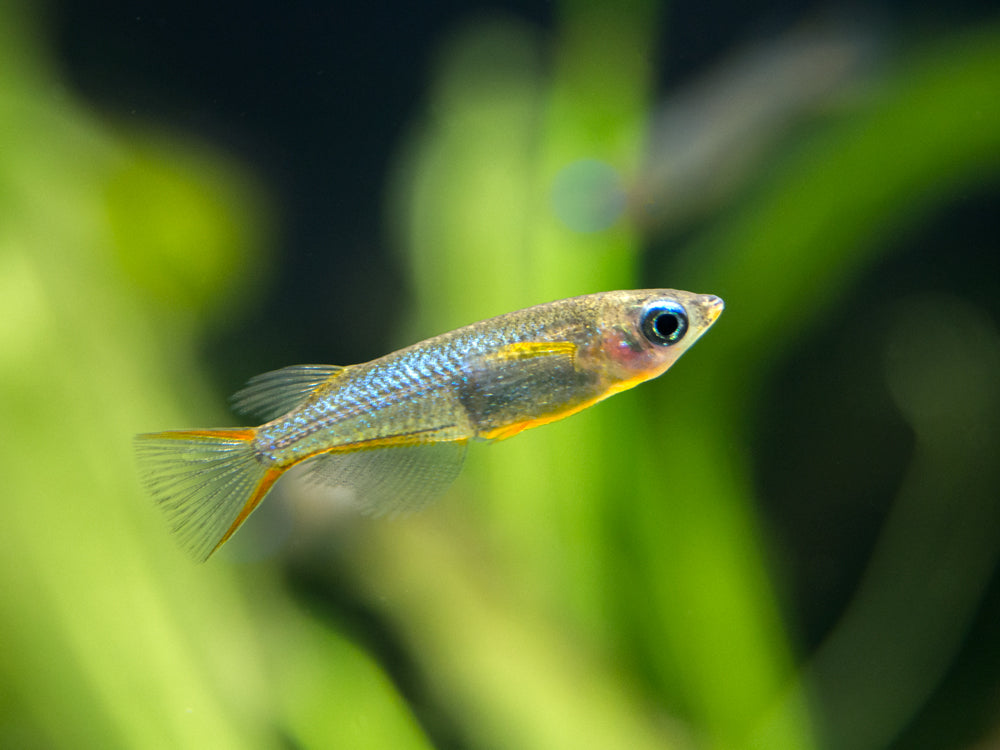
{"type": "Point", "coordinates": [789, 541]}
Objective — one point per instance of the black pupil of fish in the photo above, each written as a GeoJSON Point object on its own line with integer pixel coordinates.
{"type": "Point", "coordinates": [666, 325]}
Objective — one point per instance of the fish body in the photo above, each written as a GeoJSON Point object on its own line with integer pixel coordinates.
{"type": "Point", "coordinates": [394, 430]}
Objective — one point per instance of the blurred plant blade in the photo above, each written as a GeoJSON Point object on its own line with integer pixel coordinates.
{"type": "Point", "coordinates": [577, 506]}
{"type": "Point", "coordinates": [787, 257]}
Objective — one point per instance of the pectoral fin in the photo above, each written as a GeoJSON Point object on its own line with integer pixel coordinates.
{"type": "Point", "coordinates": [522, 385]}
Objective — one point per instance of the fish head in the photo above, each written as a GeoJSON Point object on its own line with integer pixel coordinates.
{"type": "Point", "coordinates": [639, 334]}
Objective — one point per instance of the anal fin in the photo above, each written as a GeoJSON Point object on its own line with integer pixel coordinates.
{"type": "Point", "coordinates": [390, 480]}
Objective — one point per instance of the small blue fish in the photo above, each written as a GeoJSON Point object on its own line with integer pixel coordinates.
{"type": "Point", "coordinates": [395, 430]}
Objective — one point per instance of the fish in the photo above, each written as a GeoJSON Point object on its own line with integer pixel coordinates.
{"type": "Point", "coordinates": [393, 432]}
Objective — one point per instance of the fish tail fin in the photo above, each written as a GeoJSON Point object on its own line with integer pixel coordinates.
{"type": "Point", "coordinates": [207, 481]}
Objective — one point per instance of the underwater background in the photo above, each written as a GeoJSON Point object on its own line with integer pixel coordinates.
{"type": "Point", "coordinates": [788, 541]}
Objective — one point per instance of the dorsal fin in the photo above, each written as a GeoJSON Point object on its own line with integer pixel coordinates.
{"type": "Point", "coordinates": [271, 394]}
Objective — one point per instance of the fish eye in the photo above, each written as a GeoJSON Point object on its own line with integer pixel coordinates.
{"type": "Point", "coordinates": [664, 323]}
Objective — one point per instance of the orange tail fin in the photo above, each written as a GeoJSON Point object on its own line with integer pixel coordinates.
{"type": "Point", "coordinates": [207, 481]}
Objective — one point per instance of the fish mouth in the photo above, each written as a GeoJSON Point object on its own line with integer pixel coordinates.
{"type": "Point", "coordinates": [713, 307]}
